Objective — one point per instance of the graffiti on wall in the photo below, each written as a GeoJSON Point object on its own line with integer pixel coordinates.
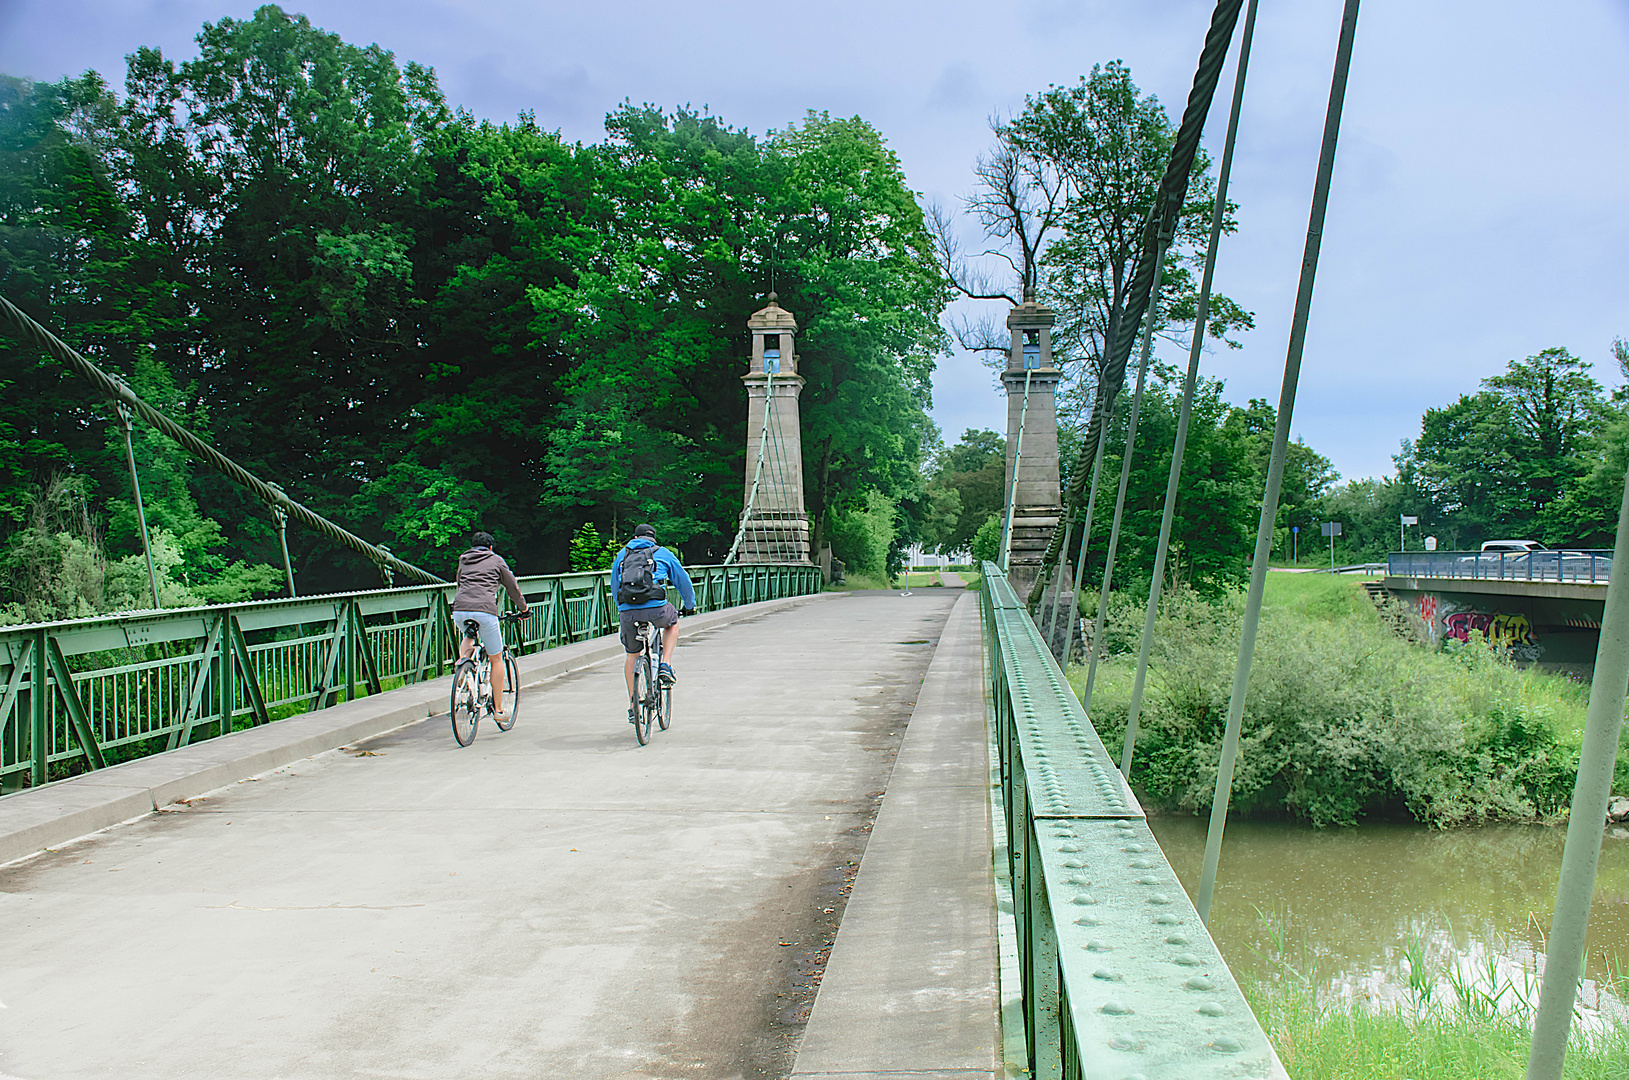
{"type": "Point", "coordinates": [1428, 613]}
{"type": "Point", "coordinates": [1513, 631]}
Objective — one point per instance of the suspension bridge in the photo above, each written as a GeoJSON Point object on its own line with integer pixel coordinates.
{"type": "Point", "coordinates": [881, 839]}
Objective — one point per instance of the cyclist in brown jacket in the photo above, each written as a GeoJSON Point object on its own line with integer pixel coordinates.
{"type": "Point", "coordinates": [480, 572]}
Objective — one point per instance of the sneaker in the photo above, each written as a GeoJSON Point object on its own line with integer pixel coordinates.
{"type": "Point", "coordinates": [500, 716]}
{"type": "Point", "coordinates": [665, 676]}
{"type": "Point", "coordinates": [631, 716]}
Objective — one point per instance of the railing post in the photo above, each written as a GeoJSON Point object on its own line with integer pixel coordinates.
{"type": "Point", "coordinates": [39, 747]}
{"type": "Point", "coordinates": [1045, 1036]}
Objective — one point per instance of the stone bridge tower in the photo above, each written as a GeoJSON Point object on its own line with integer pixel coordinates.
{"type": "Point", "coordinates": [775, 528]}
{"type": "Point", "coordinates": [1038, 497]}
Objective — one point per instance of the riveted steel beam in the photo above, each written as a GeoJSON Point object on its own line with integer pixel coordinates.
{"type": "Point", "coordinates": [1120, 976]}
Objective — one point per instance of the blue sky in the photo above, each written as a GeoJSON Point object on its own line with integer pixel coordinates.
{"type": "Point", "coordinates": [1480, 209]}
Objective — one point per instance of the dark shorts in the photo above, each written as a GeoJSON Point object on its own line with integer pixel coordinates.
{"type": "Point", "coordinates": [664, 617]}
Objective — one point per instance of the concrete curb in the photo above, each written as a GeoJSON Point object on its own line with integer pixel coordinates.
{"type": "Point", "coordinates": [39, 818]}
{"type": "Point", "coordinates": [910, 989]}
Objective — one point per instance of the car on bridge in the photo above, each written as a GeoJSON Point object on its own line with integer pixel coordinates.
{"type": "Point", "coordinates": [1493, 546]}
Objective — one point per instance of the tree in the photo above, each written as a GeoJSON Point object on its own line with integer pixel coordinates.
{"type": "Point", "coordinates": [1503, 459]}
{"type": "Point", "coordinates": [1210, 532]}
{"type": "Point", "coordinates": [1084, 162]}
{"type": "Point", "coordinates": [860, 269]}
{"type": "Point", "coordinates": [974, 471]}
{"type": "Point", "coordinates": [1307, 473]}
{"type": "Point", "coordinates": [418, 323]}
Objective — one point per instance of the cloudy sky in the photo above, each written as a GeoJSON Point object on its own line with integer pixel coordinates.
{"type": "Point", "coordinates": [1480, 210]}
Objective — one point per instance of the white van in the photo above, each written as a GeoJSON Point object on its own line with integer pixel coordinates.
{"type": "Point", "coordinates": [1495, 547]}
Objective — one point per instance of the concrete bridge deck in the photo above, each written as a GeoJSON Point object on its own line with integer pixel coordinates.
{"type": "Point", "coordinates": [552, 901]}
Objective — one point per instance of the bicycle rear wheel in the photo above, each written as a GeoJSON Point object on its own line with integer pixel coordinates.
{"type": "Point", "coordinates": [465, 706]}
{"type": "Point", "coordinates": [641, 689]}
{"type": "Point", "coordinates": [511, 691]}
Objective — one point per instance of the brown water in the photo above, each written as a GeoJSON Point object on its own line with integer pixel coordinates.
{"type": "Point", "coordinates": [1345, 902]}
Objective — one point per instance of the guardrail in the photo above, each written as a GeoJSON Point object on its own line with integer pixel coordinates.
{"type": "Point", "coordinates": [1584, 566]}
{"type": "Point", "coordinates": [1119, 975]}
{"type": "Point", "coordinates": [85, 693]}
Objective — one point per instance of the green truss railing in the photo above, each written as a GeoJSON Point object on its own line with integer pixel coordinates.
{"type": "Point", "coordinates": [1118, 975]}
{"type": "Point", "coordinates": [84, 692]}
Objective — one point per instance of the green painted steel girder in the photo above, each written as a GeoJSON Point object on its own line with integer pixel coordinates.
{"type": "Point", "coordinates": [1120, 976]}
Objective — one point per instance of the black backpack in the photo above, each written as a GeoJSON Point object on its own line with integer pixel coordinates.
{"type": "Point", "coordinates": [636, 583]}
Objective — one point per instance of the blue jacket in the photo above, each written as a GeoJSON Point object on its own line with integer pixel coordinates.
{"type": "Point", "coordinates": [667, 571]}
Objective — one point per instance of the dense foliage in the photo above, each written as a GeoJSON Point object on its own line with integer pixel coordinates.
{"type": "Point", "coordinates": [417, 322]}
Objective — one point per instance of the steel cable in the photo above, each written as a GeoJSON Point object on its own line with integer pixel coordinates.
{"type": "Point", "coordinates": [119, 391]}
{"type": "Point", "coordinates": [1168, 205]}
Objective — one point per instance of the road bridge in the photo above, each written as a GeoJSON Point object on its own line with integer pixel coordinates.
{"type": "Point", "coordinates": [1545, 607]}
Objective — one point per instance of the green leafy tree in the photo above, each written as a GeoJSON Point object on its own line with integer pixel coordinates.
{"type": "Point", "coordinates": [1502, 460]}
{"type": "Point", "coordinates": [974, 471]}
{"type": "Point", "coordinates": [987, 540]}
{"type": "Point", "coordinates": [1081, 165]}
{"type": "Point", "coordinates": [589, 552]}
{"type": "Point", "coordinates": [1211, 531]}
{"type": "Point", "coordinates": [1307, 473]}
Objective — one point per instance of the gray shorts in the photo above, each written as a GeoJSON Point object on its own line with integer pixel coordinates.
{"type": "Point", "coordinates": [664, 617]}
{"type": "Point", "coordinates": [491, 632]}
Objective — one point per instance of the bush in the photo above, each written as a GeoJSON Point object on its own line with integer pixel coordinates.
{"type": "Point", "coordinates": [1344, 718]}
{"type": "Point", "coordinates": [987, 541]}
{"type": "Point", "coordinates": [861, 534]}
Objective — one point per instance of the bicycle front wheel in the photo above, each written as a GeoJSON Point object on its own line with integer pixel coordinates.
{"type": "Point", "coordinates": [511, 691]}
{"type": "Point", "coordinates": [465, 707]}
{"type": "Point", "coordinates": [664, 706]}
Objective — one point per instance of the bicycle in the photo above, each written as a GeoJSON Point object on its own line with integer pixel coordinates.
{"type": "Point", "coordinates": [472, 686]}
{"type": "Point", "coordinates": [651, 701]}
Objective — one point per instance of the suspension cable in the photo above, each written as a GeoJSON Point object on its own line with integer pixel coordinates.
{"type": "Point", "coordinates": [1201, 313]}
{"type": "Point", "coordinates": [758, 470]}
{"type": "Point", "coordinates": [1168, 204]}
{"type": "Point", "coordinates": [1275, 466]}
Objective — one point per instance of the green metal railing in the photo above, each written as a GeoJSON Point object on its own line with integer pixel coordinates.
{"type": "Point", "coordinates": [85, 692]}
{"type": "Point", "coordinates": [1118, 974]}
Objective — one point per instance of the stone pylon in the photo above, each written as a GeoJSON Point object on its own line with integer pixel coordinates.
{"type": "Point", "coordinates": [776, 523]}
{"type": "Point", "coordinates": [1037, 497]}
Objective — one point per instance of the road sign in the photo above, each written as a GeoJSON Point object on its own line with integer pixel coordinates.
{"type": "Point", "coordinates": [1410, 519]}
{"type": "Point", "coordinates": [1330, 528]}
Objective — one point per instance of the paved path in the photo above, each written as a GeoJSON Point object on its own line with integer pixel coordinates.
{"type": "Point", "coordinates": [550, 902]}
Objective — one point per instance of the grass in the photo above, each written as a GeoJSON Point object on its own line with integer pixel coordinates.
{"type": "Point", "coordinates": [1445, 1025]}
{"type": "Point", "coordinates": [1348, 1041]}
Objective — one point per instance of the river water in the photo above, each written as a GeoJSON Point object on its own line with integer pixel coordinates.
{"type": "Point", "coordinates": [1343, 907]}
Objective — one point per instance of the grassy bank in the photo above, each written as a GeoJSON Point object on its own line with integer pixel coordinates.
{"type": "Point", "coordinates": [1345, 718]}
{"type": "Point", "coordinates": [1452, 1020]}
{"type": "Point", "coordinates": [1345, 1041]}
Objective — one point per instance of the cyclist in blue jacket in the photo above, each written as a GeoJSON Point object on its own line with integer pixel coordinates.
{"type": "Point", "coordinates": [635, 607]}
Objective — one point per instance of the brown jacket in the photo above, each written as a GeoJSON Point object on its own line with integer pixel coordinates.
{"type": "Point", "coordinates": [480, 572]}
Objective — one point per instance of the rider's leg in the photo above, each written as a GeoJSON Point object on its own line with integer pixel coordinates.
{"type": "Point", "coordinates": [628, 670]}
{"type": "Point", "coordinates": [670, 640]}
{"type": "Point", "coordinates": [497, 675]}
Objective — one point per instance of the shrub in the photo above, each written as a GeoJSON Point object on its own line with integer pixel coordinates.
{"type": "Point", "coordinates": [987, 541]}
{"type": "Point", "coordinates": [1344, 718]}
